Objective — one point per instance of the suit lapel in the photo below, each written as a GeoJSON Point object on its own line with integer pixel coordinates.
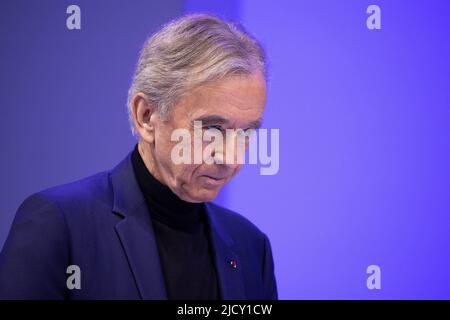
{"type": "Point", "coordinates": [136, 233]}
{"type": "Point", "coordinates": [228, 263]}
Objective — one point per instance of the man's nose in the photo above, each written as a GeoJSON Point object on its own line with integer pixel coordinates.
{"type": "Point", "coordinates": [231, 154]}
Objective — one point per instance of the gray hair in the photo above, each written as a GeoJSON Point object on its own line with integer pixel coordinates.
{"type": "Point", "coordinates": [188, 52]}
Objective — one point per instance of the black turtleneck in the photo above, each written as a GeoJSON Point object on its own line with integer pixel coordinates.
{"type": "Point", "coordinates": [182, 237]}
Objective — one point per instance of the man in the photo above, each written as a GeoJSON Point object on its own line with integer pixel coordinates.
{"type": "Point", "coordinates": [146, 229]}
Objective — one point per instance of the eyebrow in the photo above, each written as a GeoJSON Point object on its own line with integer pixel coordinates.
{"type": "Point", "coordinates": [209, 120]}
{"type": "Point", "coordinates": [214, 119]}
{"type": "Point", "coordinates": [255, 124]}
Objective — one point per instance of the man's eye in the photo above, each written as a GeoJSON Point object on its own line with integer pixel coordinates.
{"type": "Point", "coordinates": [214, 127]}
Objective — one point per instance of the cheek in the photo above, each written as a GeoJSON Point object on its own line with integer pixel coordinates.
{"type": "Point", "coordinates": [192, 178]}
{"type": "Point", "coordinates": [184, 175]}
{"type": "Point", "coordinates": [162, 155]}
{"type": "Point", "coordinates": [186, 171]}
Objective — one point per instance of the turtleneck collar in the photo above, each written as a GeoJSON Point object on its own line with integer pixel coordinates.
{"type": "Point", "coordinates": [164, 205]}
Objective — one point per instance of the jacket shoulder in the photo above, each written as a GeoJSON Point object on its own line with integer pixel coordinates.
{"type": "Point", "coordinates": [94, 188]}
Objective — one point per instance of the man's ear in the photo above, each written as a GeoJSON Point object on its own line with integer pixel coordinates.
{"type": "Point", "coordinates": [142, 111]}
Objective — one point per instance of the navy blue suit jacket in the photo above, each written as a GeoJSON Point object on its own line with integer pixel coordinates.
{"type": "Point", "coordinates": [102, 224]}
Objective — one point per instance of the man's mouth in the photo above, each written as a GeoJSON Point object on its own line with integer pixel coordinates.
{"type": "Point", "coordinates": [216, 178]}
{"type": "Point", "coordinates": [213, 181]}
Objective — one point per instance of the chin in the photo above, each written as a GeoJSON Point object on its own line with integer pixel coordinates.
{"type": "Point", "coordinates": [205, 195]}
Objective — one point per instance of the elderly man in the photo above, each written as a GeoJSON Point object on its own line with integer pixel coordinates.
{"type": "Point", "coordinates": [146, 229]}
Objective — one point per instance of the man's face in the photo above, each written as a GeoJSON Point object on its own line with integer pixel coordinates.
{"type": "Point", "coordinates": [232, 103]}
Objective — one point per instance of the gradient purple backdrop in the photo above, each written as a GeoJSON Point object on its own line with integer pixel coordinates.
{"type": "Point", "coordinates": [364, 119]}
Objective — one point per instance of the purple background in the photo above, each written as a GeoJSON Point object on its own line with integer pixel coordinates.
{"type": "Point", "coordinates": [364, 119]}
